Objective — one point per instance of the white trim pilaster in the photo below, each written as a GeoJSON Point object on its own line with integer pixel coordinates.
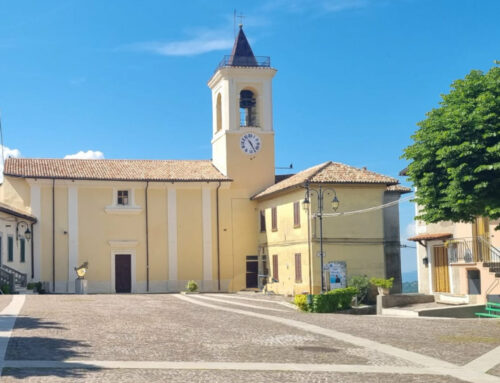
{"type": "Point", "coordinates": [72, 236]}
{"type": "Point", "coordinates": [207, 233]}
{"type": "Point", "coordinates": [172, 233]}
{"type": "Point", "coordinates": [36, 210]}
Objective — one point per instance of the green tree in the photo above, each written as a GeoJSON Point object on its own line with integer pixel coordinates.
{"type": "Point", "coordinates": [455, 157]}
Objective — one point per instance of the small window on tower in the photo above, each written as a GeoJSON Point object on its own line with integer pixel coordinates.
{"type": "Point", "coordinates": [248, 108]}
{"type": "Point", "coordinates": [219, 112]}
{"type": "Point", "coordinates": [122, 198]}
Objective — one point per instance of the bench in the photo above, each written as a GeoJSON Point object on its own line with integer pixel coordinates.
{"type": "Point", "coordinates": [493, 311]}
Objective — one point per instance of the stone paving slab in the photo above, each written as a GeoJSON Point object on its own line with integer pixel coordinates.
{"type": "Point", "coordinates": [161, 327]}
{"type": "Point", "coordinates": [4, 301]}
{"type": "Point", "coordinates": [457, 341]}
{"type": "Point", "coordinates": [11, 375]}
{"type": "Point", "coordinates": [495, 370]}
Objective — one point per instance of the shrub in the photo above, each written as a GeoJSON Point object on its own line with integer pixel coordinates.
{"type": "Point", "coordinates": [381, 282]}
{"type": "Point", "coordinates": [5, 288]}
{"type": "Point", "coordinates": [300, 301]}
{"type": "Point", "coordinates": [335, 300]}
{"type": "Point", "coordinates": [362, 283]}
{"type": "Point", "coordinates": [192, 286]}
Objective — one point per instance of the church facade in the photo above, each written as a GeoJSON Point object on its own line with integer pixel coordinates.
{"type": "Point", "coordinates": [228, 223]}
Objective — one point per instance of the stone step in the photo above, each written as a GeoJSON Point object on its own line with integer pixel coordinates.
{"type": "Point", "coordinates": [452, 299]}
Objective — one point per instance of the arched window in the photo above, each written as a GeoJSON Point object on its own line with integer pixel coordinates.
{"type": "Point", "coordinates": [219, 113]}
{"type": "Point", "coordinates": [248, 108]}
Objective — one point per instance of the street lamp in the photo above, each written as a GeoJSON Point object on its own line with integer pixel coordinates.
{"type": "Point", "coordinates": [320, 194]}
{"type": "Point", "coordinates": [27, 232]}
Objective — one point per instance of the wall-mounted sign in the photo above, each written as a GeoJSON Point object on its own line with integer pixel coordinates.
{"type": "Point", "coordinates": [338, 275]}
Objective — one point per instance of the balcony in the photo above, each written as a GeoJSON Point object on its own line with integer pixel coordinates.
{"type": "Point", "coordinates": [249, 61]}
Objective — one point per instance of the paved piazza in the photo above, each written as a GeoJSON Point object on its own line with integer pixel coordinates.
{"type": "Point", "coordinates": [232, 338]}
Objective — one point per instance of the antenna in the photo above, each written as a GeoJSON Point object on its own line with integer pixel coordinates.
{"type": "Point", "coordinates": [241, 16]}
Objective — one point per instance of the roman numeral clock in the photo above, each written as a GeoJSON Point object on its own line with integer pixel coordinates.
{"type": "Point", "coordinates": [250, 143]}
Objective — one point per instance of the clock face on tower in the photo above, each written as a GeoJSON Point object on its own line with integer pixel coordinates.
{"type": "Point", "coordinates": [250, 143]}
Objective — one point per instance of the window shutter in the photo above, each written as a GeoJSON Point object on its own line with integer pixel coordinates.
{"type": "Point", "coordinates": [274, 218]}
{"type": "Point", "coordinates": [23, 249]}
{"type": "Point", "coordinates": [298, 268]}
{"type": "Point", "coordinates": [275, 267]}
{"type": "Point", "coordinates": [296, 214]}
{"type": "Point", "coordinates": [262, 221]}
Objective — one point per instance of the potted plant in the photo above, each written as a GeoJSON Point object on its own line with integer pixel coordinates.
{"type": "Point", "coordinates": [383, 285]}
{"type": "Point", "coordinates": [192, 287]}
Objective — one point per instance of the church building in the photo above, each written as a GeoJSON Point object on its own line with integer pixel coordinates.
{"type": "Point", "coordinates": [229, 223]}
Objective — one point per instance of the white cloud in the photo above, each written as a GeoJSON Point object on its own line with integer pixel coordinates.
{"type": "Point", "coordinates": [88, 155]}
{"type": "Point", "coordinates": [201, 42]}
{"type": "Point", "coordinates": [411, 229]}
{"type": "Point", "coordinates": [8, 153]}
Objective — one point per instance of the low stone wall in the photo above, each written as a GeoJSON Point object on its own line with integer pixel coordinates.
{"type": "Point", "coordinates": [399, 300]}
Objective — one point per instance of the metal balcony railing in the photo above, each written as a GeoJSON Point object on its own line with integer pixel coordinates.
{"type": "Point", "coordinates": [472, 250]}
{"type": "Point", "coordinates": [253, 61]}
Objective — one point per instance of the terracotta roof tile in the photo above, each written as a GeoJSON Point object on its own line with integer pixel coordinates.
{"type": "Point", "coordinates": [329, 172]}
{"type": "Point", "coordinates": [399, 188]}
{"type": "Point", "coordinates": [429, 236]}
{"type": "Point", "coordinates": [118, 170]}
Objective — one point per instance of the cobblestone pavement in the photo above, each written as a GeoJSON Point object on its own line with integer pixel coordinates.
{"type": "Point", "coordinates": [164, 328]}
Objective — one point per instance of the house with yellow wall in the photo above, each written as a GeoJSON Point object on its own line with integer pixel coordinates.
{"type": "Point", "coordinates": [229, 223]}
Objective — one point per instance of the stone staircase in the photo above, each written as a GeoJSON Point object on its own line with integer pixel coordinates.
{"type": "Point", "coordinates": [13, 278]}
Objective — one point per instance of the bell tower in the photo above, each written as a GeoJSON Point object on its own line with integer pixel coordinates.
{"type": "Point", "coordinates": [243, 136]}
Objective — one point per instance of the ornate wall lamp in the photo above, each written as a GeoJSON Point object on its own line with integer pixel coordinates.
{"type": "Point", "coordinates": [24, 228]}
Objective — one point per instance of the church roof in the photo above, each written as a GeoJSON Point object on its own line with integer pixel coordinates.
{"type": "Point", "coordinates": [328, 173]}
{"type": "Point", "coordinates": [242, 54]}
{"type": "Point", "coordinates": [114, 170]}
{"type": "Point", "coordinates": [16, 212]}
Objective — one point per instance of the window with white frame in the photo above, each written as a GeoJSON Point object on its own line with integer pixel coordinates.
{"type": "Point", "coordinates": [122, 198]}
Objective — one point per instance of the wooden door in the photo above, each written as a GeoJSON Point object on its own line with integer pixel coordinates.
{"type": "Point", "coordinates": [123, 273]}
{"type": "Point", "coordinates": [440, 275]}
{"type": "Point", "coordinates": [252, 271]}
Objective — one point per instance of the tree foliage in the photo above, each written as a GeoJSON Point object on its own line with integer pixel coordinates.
{"type": "Point", "coordinates": [455, 157]}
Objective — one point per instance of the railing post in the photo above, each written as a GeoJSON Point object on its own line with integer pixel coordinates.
{"type": "Point", "coordinates": [12, 283]}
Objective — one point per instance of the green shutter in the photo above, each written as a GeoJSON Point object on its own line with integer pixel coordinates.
{"type": "Point", "coordinates": [23, 250]}
{"type": "Point", "coordinates": [10, 244]}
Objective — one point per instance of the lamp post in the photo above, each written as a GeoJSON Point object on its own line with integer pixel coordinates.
{"type": "Point", "coordinates": [320, 194]}
{"type": "Point", "coordinates": [27, 232]}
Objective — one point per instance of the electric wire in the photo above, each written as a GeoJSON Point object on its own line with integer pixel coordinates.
{"type": "Point", "coordinates": [383, 206]}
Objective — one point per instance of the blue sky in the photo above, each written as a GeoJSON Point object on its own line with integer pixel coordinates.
{"type": "Point", "coordinates": [128, 78]}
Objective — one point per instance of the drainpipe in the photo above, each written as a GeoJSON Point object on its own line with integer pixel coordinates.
{"type": "Point", "coordinates": [32, 254]}
{"type": "Point", "coordinates": [53, 235]}
{"type": "Point", "coordinates": [147, 238]}
{"type": "Point", "coordinates": [217, 232]}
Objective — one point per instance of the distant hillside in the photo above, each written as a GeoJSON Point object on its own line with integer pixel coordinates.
{"type": "Point", "coordinates": [409, 276]}
{"type": "Point", "coordinates": [410, 287]}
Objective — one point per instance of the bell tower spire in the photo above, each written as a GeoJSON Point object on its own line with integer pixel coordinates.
{"type": "Point", "coordinates": [243, 137]}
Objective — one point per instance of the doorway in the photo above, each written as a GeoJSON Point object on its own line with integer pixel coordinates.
{"type": "Point", "coordinates": [440, 274]}
{"type": "Point", "coordinates": [252, 271]}
{"type": "Point", "coordinates": [123, 273]}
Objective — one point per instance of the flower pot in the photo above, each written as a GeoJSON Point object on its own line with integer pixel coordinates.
{"type": "Point", "coordinates": [383, 290]}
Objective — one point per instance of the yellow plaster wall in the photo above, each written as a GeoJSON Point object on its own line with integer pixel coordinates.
{"type": "Point", "coordinates": [189, 234]}
{"type": "Point", "coordinates": [16, 193]}
{"type": "Point", "coordinates": [158, 253]}
{"type": "Point", "coordinates": [97, 228]}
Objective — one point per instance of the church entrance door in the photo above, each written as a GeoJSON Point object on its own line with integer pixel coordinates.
{"type": "Point", "coordinates": [252, 271]}
{"type": "Point", "coordinates": [123, 273]}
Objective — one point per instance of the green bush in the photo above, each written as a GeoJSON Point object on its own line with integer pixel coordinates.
{"type": "Point", "coordinates": [332, 301]}
{"type": "Point", "coordinates": [192, 286]}
{"type": "Point", "coordinates": [362, 283]}
{"type": "Point", "coordinates": [35, 286]}
{"type": "Point", "coordinates": [5, 288]}
{"type": "Point", "coordinates": [381, 282]}
{"type": "Point", "coordinates": [300, 301]}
